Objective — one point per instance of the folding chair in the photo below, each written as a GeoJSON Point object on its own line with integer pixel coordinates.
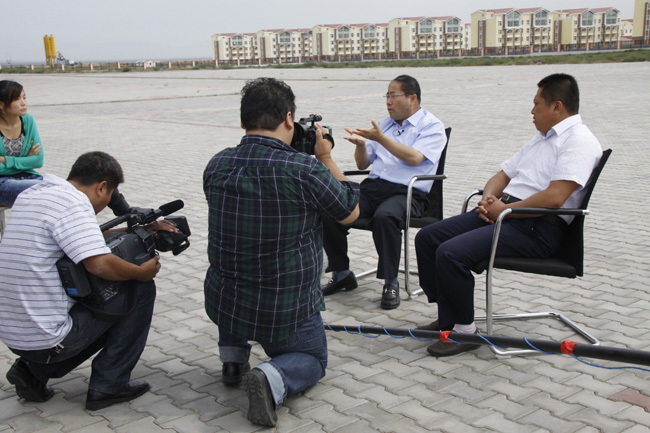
{"type": "Point", "coordinates": [567, 262]}
{"type": "Point", "coordinates": [432, 214]}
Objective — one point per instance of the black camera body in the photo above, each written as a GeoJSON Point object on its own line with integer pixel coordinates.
{"type": "Point", "coordinates": [304, 135]}
{"type": "Point", "coordinates": [135, 245]}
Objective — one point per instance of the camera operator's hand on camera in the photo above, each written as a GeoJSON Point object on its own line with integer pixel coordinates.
{"type": "Point", "coordinates": [162, 226]}
{"type": "Point", "coordinates": [323, 147]}
{"type": "Point", "coordinates": [149, 269]}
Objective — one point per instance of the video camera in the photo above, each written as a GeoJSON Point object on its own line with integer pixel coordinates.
{"type": "Point", "coordinates": [135, 245]}
{"type": "Point", "coordinates": [304, 135]}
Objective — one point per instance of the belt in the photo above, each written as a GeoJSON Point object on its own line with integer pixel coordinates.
{"type": "Point", "coordinates": [507, 199]}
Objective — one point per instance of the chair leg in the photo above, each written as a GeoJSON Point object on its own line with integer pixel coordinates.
{"type": "Point", "coordinates": [2, 220]}
{"type": "Point", "coordinates": [490, 317]}
{"type": "Point", "coordinates": [407, 270]}
{"type": "Point", "coordinates": [366, 273]}
{"type": "Point", "coordinates": [412, 294]}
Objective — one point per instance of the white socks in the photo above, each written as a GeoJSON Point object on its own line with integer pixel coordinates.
{"type": "Point", "coordinates": [466, 329]}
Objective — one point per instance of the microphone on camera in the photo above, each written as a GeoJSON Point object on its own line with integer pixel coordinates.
{"type": "Point", "coordinates": [170, 208]}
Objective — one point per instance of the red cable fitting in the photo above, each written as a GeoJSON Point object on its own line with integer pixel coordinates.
{"type": "Point", "coordinates": [567, 347]}
{"type": "Point", "coordinates": [444, 337]}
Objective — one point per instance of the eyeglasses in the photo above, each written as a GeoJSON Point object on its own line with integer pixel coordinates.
{"type": "Point", "coordinates": [390, 96]}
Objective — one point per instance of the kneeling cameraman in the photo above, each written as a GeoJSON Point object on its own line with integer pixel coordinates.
{"type": "Point", "coordinates": [50, 332]}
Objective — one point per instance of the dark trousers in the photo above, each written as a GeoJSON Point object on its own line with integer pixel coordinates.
{"type": "Point", "coordinates": [385, 204]}
{"type": "Point", "coordinates": [447, 250]}
{"type": "Point", "coordinates": [121, 343]}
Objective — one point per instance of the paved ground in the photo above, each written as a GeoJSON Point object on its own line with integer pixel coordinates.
{"type": "Point", "coordinates": [164, 126]}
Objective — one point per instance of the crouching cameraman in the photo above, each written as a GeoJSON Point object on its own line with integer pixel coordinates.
{"type": "Point", "coordinates": [50, 332]}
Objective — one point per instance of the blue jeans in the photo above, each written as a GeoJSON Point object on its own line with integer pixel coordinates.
{"type": "Point", "coordinates": [121, 343]}
{"type": "Point", "coordinates": [10, 187]}
{"type": "Point", "coordinates": [296, 364]}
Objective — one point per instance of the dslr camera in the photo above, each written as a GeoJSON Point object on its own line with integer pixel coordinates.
{"type": "Point", "coordinates": [135, 245]}
{"type": "Point", "coordinates": [304, 135]}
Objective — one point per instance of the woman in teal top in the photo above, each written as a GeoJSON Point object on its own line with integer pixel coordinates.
{"type": "Point", "coordinates": [20, 146]}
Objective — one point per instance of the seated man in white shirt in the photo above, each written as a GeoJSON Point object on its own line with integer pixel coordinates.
{"type": "Point", "coordinates": [550, 171]}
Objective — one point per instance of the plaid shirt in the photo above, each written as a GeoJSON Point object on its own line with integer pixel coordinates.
{"type": "Point", "coordinates": [265, 236]}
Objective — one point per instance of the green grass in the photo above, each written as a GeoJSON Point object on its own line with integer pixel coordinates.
{"type": "Point", "coordinates": [641, 55]}
{"type": "Point", "coordinates": [637, 55]}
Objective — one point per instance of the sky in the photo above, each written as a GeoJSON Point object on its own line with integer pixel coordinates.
{"type": "Point", "coordinates": [92, 30]}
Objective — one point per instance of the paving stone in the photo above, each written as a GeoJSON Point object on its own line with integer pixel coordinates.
{"type": "Point", "coordinates": [330, 419]}
{"type": "Point", "coordinates": [497, 422]}
{"type": "Point", "coordinates": [144, 425]}
{"type": "Point", "coordinates": [635, 415]}
{"type": "Point", "coordinates": [600, 421]}
{"type": "Point", "coordinates": [510, 409]}
{"type": "Point", "coordinates": [377, 417]}
{"type": "Point", "coordinates": [547, 421]}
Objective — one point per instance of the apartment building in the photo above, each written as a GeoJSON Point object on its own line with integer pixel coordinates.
{"type": "Point", "coordinates": [627, 29]}
{"type": "Point", "coordinates": [234, 48]}
{"type": "Point", "coordinates": [587, 26]}
{"type": "Point", "coordinates": [283, 46]}
{"type": "Point", "coordinates": [491, 31]}
{"type": "Point", "coordinates": [512, 29]}
{"type": "Point", "coordinates": [421, 37]}
{"type": "Point", "coordinates": [641, 20]}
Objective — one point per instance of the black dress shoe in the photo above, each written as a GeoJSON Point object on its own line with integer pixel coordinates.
{"type": "Point", "coordinates": [232, 372]}
{"type": "Point", "coordinates": [440, 348]}
{"type": "Point", "coordinates": [349, 282]}
{"type": "Point", "coordinates": [435, 326]}
{"type": "Point", "coordinates": [27, 386]}
{"type": "Point", "coordinates": [96, 400]}
{"type": "Point", "coordinates": [390, 297]}
{"type": "Point", "coordinates": [261, 404]}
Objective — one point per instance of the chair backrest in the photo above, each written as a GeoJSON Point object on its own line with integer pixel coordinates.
{"type": "Point", "coordinates": [435, 194]}
{"type": "Point", "coordinates": [572, 249]}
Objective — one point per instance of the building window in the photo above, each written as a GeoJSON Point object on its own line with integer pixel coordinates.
{"type": "Point", "coordinates": [453, 26]}
{"type": "Point", "coordinates": [541, 19]}
{"type": "Point", "coordinates": [285, 38]}
{"type": "Point", "coordinates": [426, 27]}
{"type": "Point", "coordinates": [369, 32]}
{"type": "Point", "coordinates": [611, 18]}
{"type": "Point", "coordinates": [513, 19]}
{"type": "Point", "coordinates": [587, 19]}
{"type": "Point", "coordinates": [343, 32]}
{"type": "Point", "coordinates": [237, 41]}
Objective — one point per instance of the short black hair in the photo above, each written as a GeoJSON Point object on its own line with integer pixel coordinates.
{"type": "Point", "coordinates": [410, 86]}
{"type": "Point", "coordinates": [265, 103]}
{"type": "Point", "coordinates": [563, 88]}
{"type": "Point", "coordinates": [9, 92]}
{"type": "Point", "coordinates": [94, 167]}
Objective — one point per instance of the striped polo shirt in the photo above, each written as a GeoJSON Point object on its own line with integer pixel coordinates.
{"type": "Point", "coordinates": [47, 221]}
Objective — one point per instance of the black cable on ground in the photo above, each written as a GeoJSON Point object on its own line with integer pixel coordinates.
{"type": "Point", "coordinates": [566, 347]}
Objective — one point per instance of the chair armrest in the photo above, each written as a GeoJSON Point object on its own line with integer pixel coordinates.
{"type": "Point", "coordinates": [525, 211]}
{"type": "Point", "coordinates": [409, 190]}
{"type": "Point", "coordinates": [356, 172]}
{"type": "Point", "coordinates": [545, 211]}
{"type": "Point", "coordinates": [468, 197]}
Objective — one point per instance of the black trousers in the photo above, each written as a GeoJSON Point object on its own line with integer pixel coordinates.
{"type": "Point", "coordinates": [119, 343]}
{"type": "Point", "coordinates": [447, 250]}
{"type": "Point", "coordinates": [385, 204]}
